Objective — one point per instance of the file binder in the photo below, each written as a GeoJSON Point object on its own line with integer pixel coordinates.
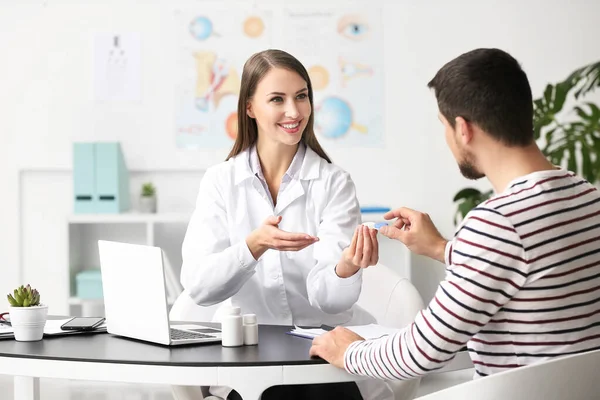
{"type": "Point", "coordinates": [100, 178]}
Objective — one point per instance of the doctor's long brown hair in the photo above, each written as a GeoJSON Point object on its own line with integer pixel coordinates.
{"type": "Point", "coordinates": [255, 69]}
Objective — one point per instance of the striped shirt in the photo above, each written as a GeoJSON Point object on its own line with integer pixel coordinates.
{"type": "Point", "coordinates": [522, 286]}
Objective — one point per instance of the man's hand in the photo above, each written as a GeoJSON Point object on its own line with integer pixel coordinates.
{"type": "Point", "coordinates": [269, 236]}
{"type": "Point", "coordinates": [331, 346]}
{"type": "Point", "coordinates": [362, 252]}
{"type": "Point", "coordinates": [416, 231]}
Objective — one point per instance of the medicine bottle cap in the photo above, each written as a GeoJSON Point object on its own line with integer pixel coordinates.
{"type": "Point", "coordinates": [232, 311]}
{"type": "Point", "coordinates": [249, 319]}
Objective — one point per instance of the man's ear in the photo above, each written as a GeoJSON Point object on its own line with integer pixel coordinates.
{"type": "Point", "coordinates": [249, 111]}
{"type": "Point", "coordinates": [464, 129]}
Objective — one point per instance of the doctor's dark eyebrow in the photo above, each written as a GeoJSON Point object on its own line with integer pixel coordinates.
{"type": "Point", "coordinates": [283, 94]}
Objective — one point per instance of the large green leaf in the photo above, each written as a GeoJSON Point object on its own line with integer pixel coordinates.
{"type": "Point", "coordinates": [466, 193]}
{"type": "Point", "coordinates": [546, 107]}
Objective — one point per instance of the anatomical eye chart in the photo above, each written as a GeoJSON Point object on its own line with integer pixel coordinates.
{"type": "Point", "coordinates": [342, 51]}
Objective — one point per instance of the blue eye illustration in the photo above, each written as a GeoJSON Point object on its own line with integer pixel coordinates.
{"type": "Point", "coordinates": [201, 28]}
{"type": "Point", "coordinates": [353, 27]}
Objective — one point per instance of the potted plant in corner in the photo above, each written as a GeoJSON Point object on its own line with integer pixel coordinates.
{"type": "Point", "coordinates": [27, 315]}
{"type": "Point", "coordinates": [148, 198]}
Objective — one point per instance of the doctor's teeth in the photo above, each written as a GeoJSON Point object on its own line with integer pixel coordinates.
{"type": "Point", "coordinates": [290, 126]}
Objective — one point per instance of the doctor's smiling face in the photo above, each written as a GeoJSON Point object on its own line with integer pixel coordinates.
{"type": "Point", "coordinates": [275, 103]}
{"type": "Point", "coordinates": [280, 106]}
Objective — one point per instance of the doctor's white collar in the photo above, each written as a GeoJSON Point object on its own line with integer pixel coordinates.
{"type": "Point", "coordinates": [310, 168]}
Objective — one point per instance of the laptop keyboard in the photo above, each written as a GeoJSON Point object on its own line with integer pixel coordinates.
{"type": "Point", "coordinates": [178, 334]}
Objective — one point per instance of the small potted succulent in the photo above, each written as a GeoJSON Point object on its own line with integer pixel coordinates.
{"type": "Point", "coordinates": [148, 198]}
{"type": "Point", "coordinates": [27, 315]}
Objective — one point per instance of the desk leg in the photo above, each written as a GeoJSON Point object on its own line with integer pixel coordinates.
{"type": "Point", "coordinates": [27, 388]}
{"type": "Point", "coordinates": [250, 382]}
{"type": "Point", "coordinates": [250, 392]}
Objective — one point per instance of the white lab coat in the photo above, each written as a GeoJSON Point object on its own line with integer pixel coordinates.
{"type": "Point", "coordinates": [284, 288]}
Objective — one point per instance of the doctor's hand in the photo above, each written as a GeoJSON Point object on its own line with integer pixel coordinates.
{"type": "Point", "coordinates": [332, 346]}
{"type": "Point", "coordinates": [416, 230]}
{"type": "Point", "coordinates": [269, 236]}
{"type": "Point", "coordinates": [362, 252]}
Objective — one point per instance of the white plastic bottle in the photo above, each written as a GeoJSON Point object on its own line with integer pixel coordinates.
{"type": "Point", "coordinates": [250, 330]}
{"type": "Point", "coordinates": [232, 333]}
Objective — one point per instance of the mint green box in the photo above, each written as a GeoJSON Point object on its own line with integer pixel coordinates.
{"type": "Point", "coordinates": [88, 284]}
{"type": "Point", "coordinates": [100, 178]}
{"type": "Point", "coordinates": [112, 179]}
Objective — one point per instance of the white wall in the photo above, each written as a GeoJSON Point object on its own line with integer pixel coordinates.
{"type": "Point", "coordinates": [46, 102]}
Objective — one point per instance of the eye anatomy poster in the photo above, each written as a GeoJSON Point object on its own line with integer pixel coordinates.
{"type": "Point", "coordinates": [213, 47]}
{"type": "Point", "coordinates": [342, 51]}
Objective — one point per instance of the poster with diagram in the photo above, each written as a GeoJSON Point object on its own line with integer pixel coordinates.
{"type": "Point", "coordinates": [343, 53]}
{"type": "Point", "coordinates": [213, 45]}
{"type": "Point", "coordinates": [342, 49]}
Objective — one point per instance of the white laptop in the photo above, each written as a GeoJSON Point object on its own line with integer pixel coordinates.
{"type": "Point", "coordinates": [135, 298]}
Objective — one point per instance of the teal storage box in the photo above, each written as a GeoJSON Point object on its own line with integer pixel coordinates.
{"type": "Point", "coordinates": [100, 178]}
{"type": "Point", "coordinates": [84, 177]}
{"type": "Point", "coordinates": [88, 284]}
{"type": "Point", "coordinates": [112, 179]}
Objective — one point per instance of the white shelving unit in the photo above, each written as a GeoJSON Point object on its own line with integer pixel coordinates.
{"type": "Point", "coordinates": [165, 230]}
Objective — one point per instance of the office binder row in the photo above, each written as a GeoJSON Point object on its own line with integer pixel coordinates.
{"type": "Point", "coordinates": [100, 178]}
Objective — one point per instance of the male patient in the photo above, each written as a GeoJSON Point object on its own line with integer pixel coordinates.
{"type": "Point", "coordinates": [523, 268]}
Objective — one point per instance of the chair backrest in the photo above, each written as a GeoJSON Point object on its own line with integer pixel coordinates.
{"type": "Point", "coordinates": [389, 297]}
{"type": "Point", "coordinates": [394, 302]}
{"type": "Point", "coordinates": [571, 377]}
{"type": "Point", "coordinates": [184, 309]}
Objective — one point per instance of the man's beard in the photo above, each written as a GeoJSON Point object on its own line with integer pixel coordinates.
{"type": "Point", "coordinates": [468, 169]}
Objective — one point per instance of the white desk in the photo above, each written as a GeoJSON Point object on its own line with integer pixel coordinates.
{"type": "Point", "coordinates": [279, 359]}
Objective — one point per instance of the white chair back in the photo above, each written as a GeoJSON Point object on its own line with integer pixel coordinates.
{"type": "Point", "coordinates": [394, 302]}
{"type": "Point", "coordinates": [571, 377]}
{"type": "Point", "coordinates": [184, 309]}
{"type": "Point", "coordinates": [389, 297]}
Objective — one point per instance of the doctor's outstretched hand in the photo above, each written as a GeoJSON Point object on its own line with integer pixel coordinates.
{"type": "Point", "coordinates": [269, 236]}
{"type": "Point", "coordinates": [362, 252]}
{"type": "Point", "coordinates": [416, 230]}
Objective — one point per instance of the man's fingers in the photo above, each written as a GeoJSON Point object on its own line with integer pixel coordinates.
{"type": "Point", "coordinates": [314, 350]}
{"type": "Point", "coordinates": [400, 223]}
{"type": "Point", "coordinates": [316, 346]}
{"type": "Point", "coordinates": [393, 233]}
{"type": "Point", "coordinates": [402, 212]}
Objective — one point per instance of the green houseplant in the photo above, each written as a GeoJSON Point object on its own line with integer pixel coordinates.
{"type": "Point", "coordinates": [148, 198]}
{"type": "Point", "coordinates": [27, 315]}
{"type": "Point", "coordinates": [572, 140]}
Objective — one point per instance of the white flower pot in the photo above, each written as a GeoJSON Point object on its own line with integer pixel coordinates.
{"type": "Point", "coordinates": [28, 322]}
{"type": "Point", "coordinates": [148, 204]}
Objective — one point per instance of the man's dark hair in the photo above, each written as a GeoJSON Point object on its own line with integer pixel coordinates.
{"type": "Point", "coordinates": [487, 87]}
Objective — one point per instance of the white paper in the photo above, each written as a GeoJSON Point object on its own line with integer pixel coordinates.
{"type": "Point", "coordinates": [52, 327]}
{"type": "Point", "coordinates": [5, 329]}
{"type": "Point", "coordinates": [371, 331]}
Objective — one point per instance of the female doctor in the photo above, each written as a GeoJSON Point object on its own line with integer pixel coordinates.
{"type": "Point", "coordinates": [277, 226]}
